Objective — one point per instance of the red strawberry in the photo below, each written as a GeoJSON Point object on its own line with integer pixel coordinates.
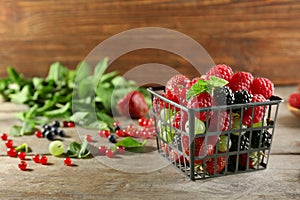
{"type": "Point", "coordinates": [241, 81]}
{"type": "Point", "coordinates": [224, 120]}
{"type": "Point", "coordinates": [174, 156]}
{"type": "Point", "coordinates": [221, 163]}
{"type": "Point", "coordinates": [253, 159]}
{"type": "Point", "coordinates": [199, 147]}
{"type": "Point", "coordinates": [262, 86]}
{"type": "Point", "coordinates": [294, 100]}
{"type": "Point", "coordinates": [258, 111]}
{"type": "Point", "coordinates": [221, 71]}
{"type": "Point", "coordinates": [202, 100]}
{"type": "Point", "coordinates": [133, 105]}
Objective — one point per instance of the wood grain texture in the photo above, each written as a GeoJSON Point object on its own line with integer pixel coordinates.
{"type": "Point", "coordinates": [259, 36]}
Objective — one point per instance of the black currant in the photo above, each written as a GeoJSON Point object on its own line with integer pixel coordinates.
{"type": "Point", "coordinates": [112, 139]}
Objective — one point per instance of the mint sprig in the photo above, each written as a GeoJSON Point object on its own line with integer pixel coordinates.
{"type": "Point", "coordinates": [205, 86]}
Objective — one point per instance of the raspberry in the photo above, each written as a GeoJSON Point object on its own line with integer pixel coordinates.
{"type": "Point", "coordinates": [221, 71]}
{"type": "Point", "coordinates": [294, 100]}
{"type": "Point", "coordinates": [224, 121]}
{"type": "Point", "coordinates": [241, 81]}
{"type": "Point", "coordinates": [262, 86]}
{"type": "Point", "coordinates": [258, 111]}
{"type": "Point", "coordinates": [223, 96]}
{"type": "Point", "coordinates": [176, 89]}
{"type": "Point", "coordinates": [202, 100]}
{"type": "Point", "coordinates": [220, 165]}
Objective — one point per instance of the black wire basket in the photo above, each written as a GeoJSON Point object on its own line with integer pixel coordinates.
{"type": "Point", "coordinates": [214, 151]}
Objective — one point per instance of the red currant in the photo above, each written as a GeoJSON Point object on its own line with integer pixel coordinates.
{"type": "Point", "coordinates": [104, 133]}
{"type": "Point", "coordinates": [9, 143]}
{"type": "Point", "coordinates": [71, 124]}
{"type": "Point", "coordinates": [68, 161]}
{"type": "Point", "coordinates": [141, 121]}
{"type": "Point", "coordinates": [102, 150]}
{"type": "Point", "coordinates": [11, 152]}
{"type": "Point", "coordinates": [22, 155]}
{"type": "Point", "coordinates": [120, 133]}
{"type": "Point", "coordinates": [22, 165]}
{"type": "Point", "coordinates": [116, 123]}
{"type": "Point", "coordinates": [146, 134]}
{"type": "Point", "coordinates": [36, 158]}
{"type": "Point", "coordinates": [120, 150]}
{"type": "Point", "coordinates": [138, 134]}
{"type": "Point", "coordinates": [88, 138]}
{"type": "Point", "coordinates": [4, 136]}
{"type": "Point", "coordinates": [43, 160]}
{"type": "Point", "coordinates": [38, 134]}
{"type": "Point", "coordinates": [109, 153]}
{"type": "Point", "coordinates": [130, 126]}
{"type": "Point", "coordinates": [65, 123]}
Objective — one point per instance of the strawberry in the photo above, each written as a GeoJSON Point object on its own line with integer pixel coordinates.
{"type": "Point", "coordinates": [221, 71]}
{"type": "Point", "coordinates": [262, 86]}
{"type": "Point", "coordinates": [199, 147]}
{"type": "Point", "coordinates": [294, 100]}
{"type": "Point", "coordinates": [174, 156]}
{"type": "Point", "coordinates": [133, 105]}
{"type": "Point", "coordinates": [202, 100]}
{"type": "Point", "coordinates": [210, 165]}
{"type": "Point", "coordinates": [241, 81]}
{"type": "Point", "coordinates": [253, 159]}
{"type": "Point", "coordinates": [258, 111]}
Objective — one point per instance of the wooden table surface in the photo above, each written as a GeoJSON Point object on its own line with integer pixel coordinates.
{"type": "Point", "coordinates": [90, 179]}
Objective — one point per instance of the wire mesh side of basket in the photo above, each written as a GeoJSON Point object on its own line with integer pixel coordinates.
{"type": "Point", "coordinates": [172, 142]}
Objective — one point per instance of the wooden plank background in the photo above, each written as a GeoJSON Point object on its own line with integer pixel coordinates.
{"type": "Point", "coordinates": [262, 37]}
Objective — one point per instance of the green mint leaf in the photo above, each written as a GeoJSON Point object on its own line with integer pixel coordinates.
{"type": "Point", "coordinates": [129, 142]}
{"type": "Point", "coordinates": [197, 88]}
{"type": "Point", "coordinates": [83, 70]}
{"type": "Point", "coordinates": [84, 151]}
{"type": "Point", "coordinates": [28, 128]}
{"type": "Point", "coordinates": [14, 75]}
{"type": "Point", "coordinates": [21, 97]}
{"type": "Point", "coordinates": [76, 150]}
{"type": "Point", "coordinates": [57, 72]}
{"type": "Point", "coordinates": [217, 82]}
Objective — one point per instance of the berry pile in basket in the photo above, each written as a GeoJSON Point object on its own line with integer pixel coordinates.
{"type": "Point", "coordinates": [235, 95]}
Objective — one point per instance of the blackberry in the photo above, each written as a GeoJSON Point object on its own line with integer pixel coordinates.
{"type": "Point", "coordinates": [266, 138]}
{"type": "Point", "coordinates": [224, 95]}
{"type": "Point", "coordinates": [242, 97]}
{"type": "Point", "coordinates": [112, 139]}
{"type": "Point", "coordinates": [244, 143]}
{"type": "Point", "coordinates": [177, 142]}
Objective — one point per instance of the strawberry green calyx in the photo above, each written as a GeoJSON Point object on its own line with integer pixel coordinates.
{"type": "Point", "coordinates": [255, 159]}
{"type": "Point", "coordinates": [205, 86]}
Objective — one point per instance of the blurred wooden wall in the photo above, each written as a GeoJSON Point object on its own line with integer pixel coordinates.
{"type": "Point", "coordinates": [261, 36]}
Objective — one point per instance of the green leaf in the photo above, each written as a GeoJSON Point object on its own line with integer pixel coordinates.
{"type": "Point", "coordinates": [100, 69]}
{"type": "Point", "coordinates": [21, 97]}
{"type": "Point", "coordinates": [83, 70]}
{"type": "Point", "coordinates": [15, 130]}
{"type": "Point", "coordinates": [106, 118]}
{"type": "Point", "coordinates": [129, 142]}
{"type": "Point", "coordinates": [57, 72]}
{"type": "Point", "coordinates": [217, 82]}
{"type": "Point", "coordinates": [86, 87]}
{"type": "Point", "coordinates": [14, 75]}
{"type": "Point", "coordinates": [76, 150]}
{"type": "Point", "coordinates": [58, 112]}
{"type": "Point", "coordinates": [108, 77]}
{"type": "Point", "coordinates": [197, 88]}
{"type": "Point", "coordinates": [28, 128]}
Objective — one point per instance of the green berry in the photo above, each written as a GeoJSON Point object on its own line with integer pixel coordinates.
{"type": "Point", "coordinates": [166, 114]}
{"type": "Point", "coordinates": [223, 142]}
{"type": "Point", "coordinates": [236, 126]}
{"type": "Point", "coordinates": [56, 148]}
{"type": "Point", "coordinates": [199, 126]}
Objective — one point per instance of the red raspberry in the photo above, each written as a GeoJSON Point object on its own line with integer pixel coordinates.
{"type": "Point", "coordinates": [221, 71]}
{"type": "Point", "coordinates": [241, 81]}
{"type": "Point", "coordinates": [224, 122]}
{"type": "Point", "coordinates": [176, 82]}
{"type": "Point", "coordinates": [294, 100]}
{"type": "Point", "coordinates": [258, 111]}
{"type": "Point", "coordinates": [262, 86]}
{"type": "Point", "coordinates": [158, 104]}
{"type": "Point", "coordinates": [202, 100]}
